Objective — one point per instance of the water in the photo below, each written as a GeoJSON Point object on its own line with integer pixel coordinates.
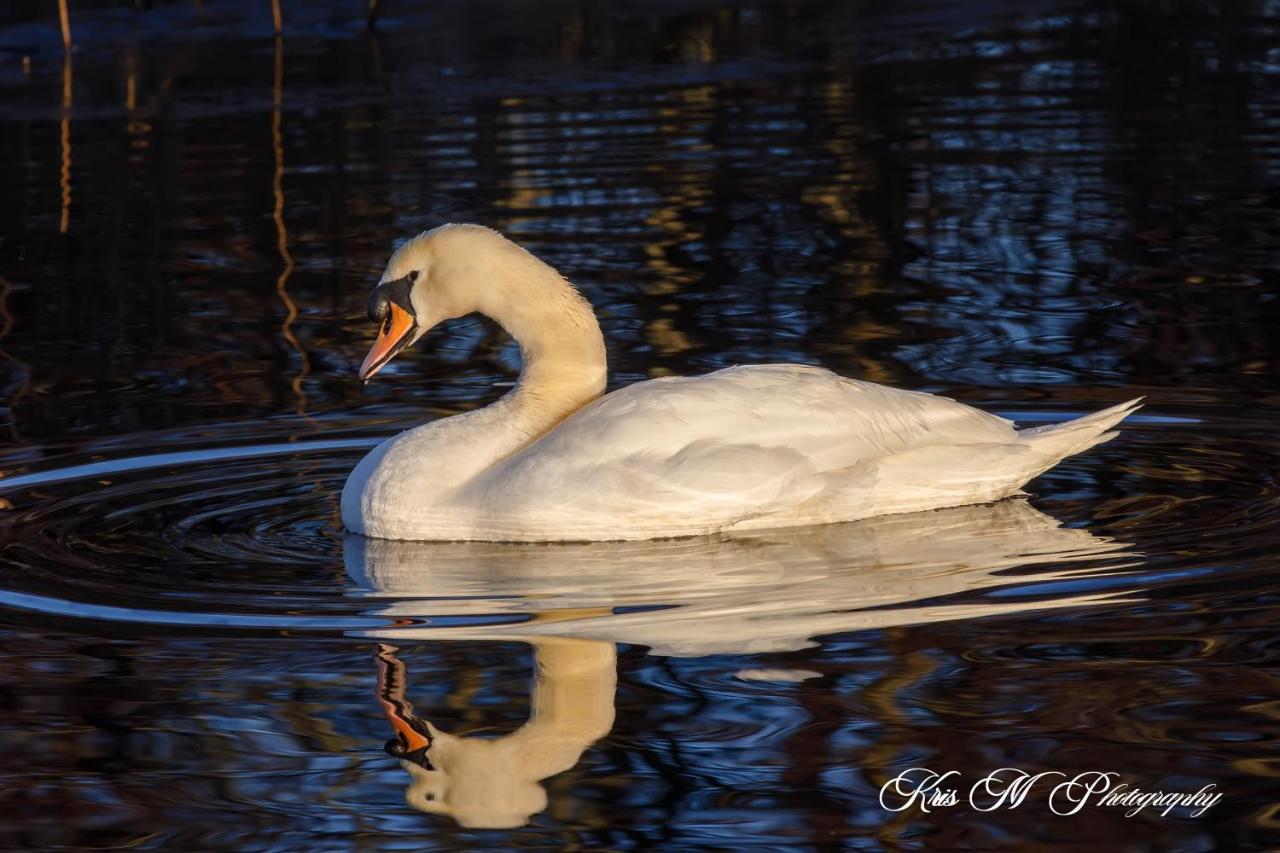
{"type": "Point", "coordinates": [1037, 209]}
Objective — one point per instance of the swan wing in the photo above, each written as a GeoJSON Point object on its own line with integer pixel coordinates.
{"type": "Point", "coordinates": [829, 420]}
{"type": "Point", "coordinates": [688, 454]}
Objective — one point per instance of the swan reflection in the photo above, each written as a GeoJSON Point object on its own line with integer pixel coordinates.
{"type": "Point", "coordinates": [748, 593]}
{"type": "Point", "coordinates": [762, 592]}
{"type": "Point", "coordinates": [493, 783]}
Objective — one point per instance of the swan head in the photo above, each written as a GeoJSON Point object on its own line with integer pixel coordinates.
{"type": "Point", "coordinates": [449, 272]}
{"type": "Point", "coordinates": [402, 303]}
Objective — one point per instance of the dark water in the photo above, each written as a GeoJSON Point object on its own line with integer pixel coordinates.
{"type": "Point", "coordinates": [1039, 209]}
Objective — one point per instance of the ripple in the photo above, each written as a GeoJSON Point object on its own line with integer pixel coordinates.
{"type": "Point", "coordinates": [236, 533]}
{"type": "Point", "coordinates": [215, 537]}
{"type": "Point", "coordinates": [245, 535]}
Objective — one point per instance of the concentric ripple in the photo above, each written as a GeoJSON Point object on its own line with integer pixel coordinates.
{"type": "Point", "coordinates": [241, 535]}
{"type": "Point", "coordinates": [240, 530]}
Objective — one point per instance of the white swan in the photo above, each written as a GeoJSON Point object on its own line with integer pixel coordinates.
{"type": "Point", "coordinates": [756, 447]}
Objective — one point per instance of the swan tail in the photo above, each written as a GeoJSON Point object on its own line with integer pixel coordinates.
{"type": "Point", "coordinates": [1058, 441]}
{"type": "Point", "coordinates": [947, 475]}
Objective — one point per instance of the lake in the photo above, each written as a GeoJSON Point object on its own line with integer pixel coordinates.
{"type": "Point", "coordinates": [1036, 208]}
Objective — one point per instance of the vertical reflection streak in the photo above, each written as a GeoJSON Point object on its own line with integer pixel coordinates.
{"type": "Point", "coordinates": [64, 20]}
{"type": "Point", "coordinates": [131, 81]}
{"type": "Point", "coordinates": [282, 235]}
{"type": "Point", "coordinates": [64, 143]}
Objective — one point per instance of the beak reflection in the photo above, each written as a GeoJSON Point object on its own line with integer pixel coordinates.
{"type": "Point", "coordinates": [496, 782]}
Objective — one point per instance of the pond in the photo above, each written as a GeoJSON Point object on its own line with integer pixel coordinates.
{"type": "Point", "coordinates": [1038, 209]}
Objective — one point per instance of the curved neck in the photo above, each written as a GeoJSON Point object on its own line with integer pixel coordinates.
{"type": "Point", "coordinates": [562, 351]}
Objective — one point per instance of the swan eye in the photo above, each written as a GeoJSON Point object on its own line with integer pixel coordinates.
{"type": "Point", "coordinates": [392, 292]}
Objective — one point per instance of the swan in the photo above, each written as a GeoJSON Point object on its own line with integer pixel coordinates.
{"type": "Point", "coordinates": [744, 448]}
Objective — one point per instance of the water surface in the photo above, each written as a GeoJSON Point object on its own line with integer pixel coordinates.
{"type": "Point", "coordinates": [1039, 209]}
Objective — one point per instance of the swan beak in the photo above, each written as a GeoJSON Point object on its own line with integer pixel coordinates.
{"type": "Point", "coordinates": [396, 331]}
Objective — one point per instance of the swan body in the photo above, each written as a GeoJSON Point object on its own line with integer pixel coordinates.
{"type": "Point", "coordinates": [743, 448]}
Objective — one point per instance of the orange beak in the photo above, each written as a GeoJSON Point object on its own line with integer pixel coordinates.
{"type": "Point", "coordinates": [394, 335]}
{"type": "Point", "coordinates": [410, 737]}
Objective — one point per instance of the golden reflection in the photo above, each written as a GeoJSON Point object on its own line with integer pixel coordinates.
{"type": "Point", "coordinates": [682, 191]}
{"type": "Point", "coordinates": [495, 783]}
{"type": "Point", "coordinates": [131, 80]}
{"type": "Point", "coordinates": [834, 197]}
{"type": "Point", "coordinates": [64, 128]}
{"type": "Point", "coordinates": [666, 338]}
{"type": "Point", "coordinates": [135, 127]}
{"type": "Point", "coordinates": [1269, 817]}
{"type": "Point", "coordinates": [277, 20]}
{"type": "Point", "coordinates": [282, 235]}
{"type": "Point", "coordinates": [64, 137]}
{"type": "Point", "coordinates": [64, 19]}
{"type": "Point", "coordinates": [524, 191]}
{"type": "Point", "coordinates": [695, 43]}
{"type": "Point", "coordinates": [1265, 766]}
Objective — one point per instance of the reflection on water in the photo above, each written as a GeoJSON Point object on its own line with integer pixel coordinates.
{"type": "Point", "coordinates": [1038, 208]}
{"type": "Point", "coordinates": [743, 593]}
{"type": "Point", "coordinates": [746, 594]}
{"type": "Point", "coordinates": [492, 783]}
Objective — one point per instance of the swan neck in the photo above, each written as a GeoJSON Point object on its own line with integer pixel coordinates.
{"type": "Point", "coordinates": [562, 352]}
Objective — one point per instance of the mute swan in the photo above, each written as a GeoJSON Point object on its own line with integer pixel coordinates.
{"type": "Point", "coordinates": [756, 447]}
